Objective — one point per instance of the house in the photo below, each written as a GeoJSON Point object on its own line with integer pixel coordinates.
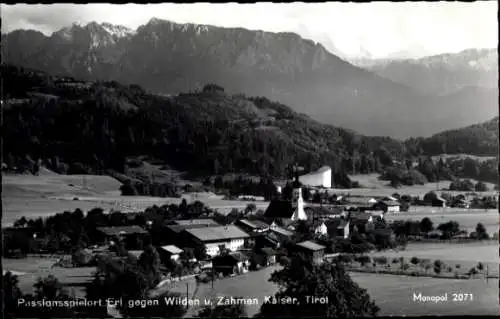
{"type": "Point", "coordinates": [338, 228]}
{"type": "Point", "coordinates": [128, 234]}
{"type": "Point", "coordinates": [311, 251]}
{"type": "Point", "coordinates": [269, 239]}
{"type": "Point", "coordinates": [359, 204]}
{"type": "Point", "coordinates": [230, 264]}
{"type": "Point", "coordinates": [461, 203]}
{"type": "Point", "coordinates": [171, 251]}
{"type": "Point", "coordinates": [389, 198]}
{"type": "Point", "coordinates": [438, 201]}
{"type": "Point", "coordinates": [196, 222]}
{"type": "Point", "coordinates": [363, 222]}
{"type": "Point", "coordinates": [320, 228]}
{"type": "Point", "coordinates": [281, 233]}
{"type": "Point", "coordinates": [388, 206]}
{"type": "Point", "coordinates": [174, 230]}
{"type": "Point", "coordinates": [269, 255]}
{"type": "Point", "coordinates": [253, 226]}
{"type": "Point", "coordinates": [322, 212]}
{"type": "Point", "coordinates": [230, 236]}
{"type": "Point", "coordinates": [135, 253]}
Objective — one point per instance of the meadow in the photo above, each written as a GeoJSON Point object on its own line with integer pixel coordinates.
{"type": "Point", "coordinates": [393, 294]}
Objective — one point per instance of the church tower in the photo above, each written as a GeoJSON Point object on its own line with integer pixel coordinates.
{"type": "Point", "coordinates": [297, 200]}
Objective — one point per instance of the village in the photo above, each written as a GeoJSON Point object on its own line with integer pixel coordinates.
{"type": "Point", "coordinates": [197, 243]}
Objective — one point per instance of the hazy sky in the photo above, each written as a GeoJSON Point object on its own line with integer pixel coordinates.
{"type": "Point", "coordinates": [376, 29]}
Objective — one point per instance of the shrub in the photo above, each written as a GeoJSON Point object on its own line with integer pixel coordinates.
{"type": "Point", "coordinates": [395, 261]}
{"type": "Point", "coordinates": [414, 260]}
{"type": "Point", "coordinates": [449, 269]}
{"type": "Point", "coordinates": [380, 260]}
{"type": "Point", "coordinates": [480, 266]}
{"type": "Point", "coordinates": [405, 266]}
{"type": "Point", "coordinates": [473, 271]}
{"type": "Point", "coordinates": [363, 260]}
{"type": "Point", "coordinates": [437, 270]}
{"type": "Point", "coordinates": [438, 263]}
{"type": "Point", "coordinates": [458, 266]}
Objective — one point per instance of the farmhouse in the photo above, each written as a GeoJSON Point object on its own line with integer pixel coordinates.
{"type": "Point", "coordinates": [171, 251]}
{"type": "Point", "coordinates": [438, 201]}
{"type": "Point", "coordinates": [281, 234]}
{"type": "Point", "coordinates": [461, 203]}
{"type": "Point", "coordinates": [359, 204]}
{"type": "Point", "coordinates": [129, 234]}
{"type": "Point", "coordinates": [338, 228]}
{"type": "Point", "coordinates": [321, 212]}
{"type": "Point", "coordinates": [195, 222]}
{"type": "Point", "coordinates": [254, 226]}
{"type": "Point", "coordinates": [311, 251]}
{"type": "Point", "coordinates": [175, 230]}
{"type": "Point", "coordinates": [388, 206]}
{"type": "Point", "coordinates": [231, 237]}
{"type": "Point", "coordinates": [320, 227]}
{"type": "Point", "coordinates": [234, 263]}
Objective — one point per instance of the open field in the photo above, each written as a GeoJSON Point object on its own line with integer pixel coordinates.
{"type": "Point", "coordinates": [54, 184]}
{"type": "Point", "coordinates": [31, 268]}
{"type": "Point", "coordinates": [467, 219]}
{"type": "Point", "coordinates": [372, 186]}
{"type": "Point", "coordinates": [50, 193]}
{"type": "Point", "coordinates": [479, 251]}
{"type": "Point", "coordinates": [393, 294]}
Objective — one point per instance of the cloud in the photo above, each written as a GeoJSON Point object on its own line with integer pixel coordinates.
{"type": "Point", "coordinates": [380, 28]}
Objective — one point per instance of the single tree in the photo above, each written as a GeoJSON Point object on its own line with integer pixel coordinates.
{"type": "Point", "coordinates": [426, 225]}
{"type": "Point", "coordinates": [301, 279]}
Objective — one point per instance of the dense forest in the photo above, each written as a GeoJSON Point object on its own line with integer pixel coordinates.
{"type": "Point", "coordinates": [72, 126]}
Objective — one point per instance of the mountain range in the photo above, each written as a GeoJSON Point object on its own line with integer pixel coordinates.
{"type": "Point", "coordinates": [440, 74]}
{"type": "Point", "coordinates": [165, 57]}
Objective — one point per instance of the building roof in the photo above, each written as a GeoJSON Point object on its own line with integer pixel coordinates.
{"type": "Point", "coordinates": [282, 231]}
{"type": "Point", "coordinates": [390, 202]}
{"type": "Point", "coordinates": [254, 223]}
{"type": "Point", "coordinates": [279, 209]}
{"type": "Point", "coordinates": [217, 233]}
{"type": "Point", "coordinates": [136, 253]}
{"type": "Point", "coordinates": [122, 230]}
{"type": "Point", "coordinates": [179, 228]}
{"type": "Point", "coordinates": [268, 251]}
{"type": "Point", "coordinates": [192, 222]}
{"type": "Point", "coordinates": [174, 250]}
{"type": "Point", "coordinates": [310, 245]}
{"type": "Point", "coordinates": [336, 223]}
{"type": "Point", "coordinates": [323, 211]}
{"type": "Point", "coordinates": [358, 201]}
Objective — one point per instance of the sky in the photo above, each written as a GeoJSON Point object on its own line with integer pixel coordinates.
{"type": "Point", "coordinates": [352, 30]}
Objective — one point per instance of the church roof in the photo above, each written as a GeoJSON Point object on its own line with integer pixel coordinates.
{"type": "Point", "coordinates": [280, 209]}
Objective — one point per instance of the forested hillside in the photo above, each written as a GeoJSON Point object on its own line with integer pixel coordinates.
{"type": "Point", "coordinates": [98, 124]}
{"type": "Point", "coordinates": [91, 127]}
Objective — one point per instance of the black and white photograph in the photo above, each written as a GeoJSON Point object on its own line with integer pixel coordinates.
{"type": "Point", "coordinates": [257, 160]}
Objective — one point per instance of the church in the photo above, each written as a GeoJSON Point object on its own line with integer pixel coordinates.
{"type": "Point", "coordinates": [288, 211]}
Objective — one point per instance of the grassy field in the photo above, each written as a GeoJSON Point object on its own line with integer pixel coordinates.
{"type": "Point", "coordinates": [467, 219]}
{"type": "Point", "coordinates": [31, 268]}
{"type": "Point", "coordinates": [372, 186]}
{"type": "Point", "coordinates": [468, 252]}
{"type": "Point", "coordinates": [393, 294]}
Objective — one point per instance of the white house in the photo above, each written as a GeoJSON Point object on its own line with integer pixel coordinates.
{"type": "Point", "coordinates": [321, 229]}
{"type": "Point", "coordinates": [173, 251]}
{"type": "Point", "coordinates": [231, 237]}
